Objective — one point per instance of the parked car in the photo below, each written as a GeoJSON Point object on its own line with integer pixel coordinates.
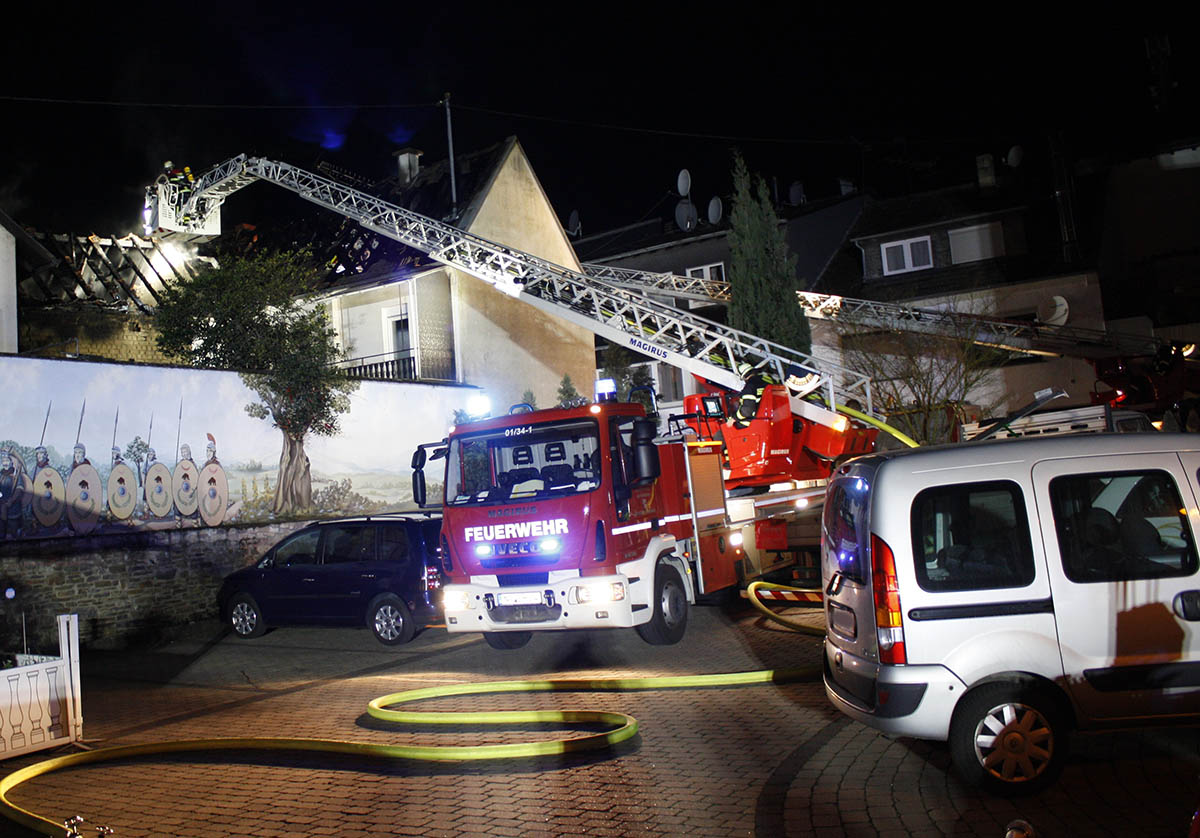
{"type": "Point", "coordinates": [997, 595]}
{"type": "Point", "coordinates": [383, 572]}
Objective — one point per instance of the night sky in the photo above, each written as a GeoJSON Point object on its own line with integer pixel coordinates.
{"type": "Point", "coordinates": [607, 108]}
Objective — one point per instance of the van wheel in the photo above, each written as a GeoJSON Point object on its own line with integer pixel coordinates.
{"type": "Point", "coordinates": [1009, 738]}
{"type": "Point", "coordinates": [245, 617]}
{"type": "Point", "coordinates": [390, 620]}
{"type": "Point", "coordinates": [507, 639]}
{"type": "Point", "coordinates": [670, 617]}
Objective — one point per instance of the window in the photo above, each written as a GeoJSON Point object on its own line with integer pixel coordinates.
{"type": "Point", "coordinates": [844, 527]}
{"type": "Point", "coordinates": [345, 544]}
{"type": "Point", "coordinates": [908, 255]}
{"type": "Point", "coordinates": [1121, 526]}
{"type": "Point", "coordinates": [976, 243]}
{"type": "Point", "coordinates": [713, 273]}
{"type": "Point", "coordinates": [971, 537]}
{"type": "Point", "coordinates": [302, 549]}
{"type": "Point", "coordinates": [393, 543]}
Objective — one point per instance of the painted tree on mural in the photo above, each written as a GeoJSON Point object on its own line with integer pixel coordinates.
{"type": "Point", "coordinates": [257, 314]}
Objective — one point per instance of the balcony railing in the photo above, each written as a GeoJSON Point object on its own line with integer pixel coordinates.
{"type": "Point", "coordinates": [385, 367]}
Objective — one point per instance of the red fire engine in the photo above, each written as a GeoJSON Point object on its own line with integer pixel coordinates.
{"type": "Point", "coordinates": [579, 518]}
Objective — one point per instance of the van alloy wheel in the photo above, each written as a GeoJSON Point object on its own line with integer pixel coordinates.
{"type": "Point", "coordinates": [390, 620]}
{"type": "Point", "coordinates": [245, 617]}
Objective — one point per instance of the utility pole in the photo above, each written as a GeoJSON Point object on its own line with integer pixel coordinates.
{"type": "Point", "coordinates": [450, 143]}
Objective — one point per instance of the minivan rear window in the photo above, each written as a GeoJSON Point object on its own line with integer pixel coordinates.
{"type": "Point", "coordinates": [844, 527]}
{"type": "Point", "coordinates": [972, 536]}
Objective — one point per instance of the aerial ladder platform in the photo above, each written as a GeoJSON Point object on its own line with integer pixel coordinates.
{"type": "Point", "coordinates": [621, 306]}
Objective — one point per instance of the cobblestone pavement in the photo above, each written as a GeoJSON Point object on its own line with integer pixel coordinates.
{"type": "Point", "coordinates": [773, 760]}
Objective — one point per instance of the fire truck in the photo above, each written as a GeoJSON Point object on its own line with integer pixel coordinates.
{"type": "Point", "coordinates": [579, 518]}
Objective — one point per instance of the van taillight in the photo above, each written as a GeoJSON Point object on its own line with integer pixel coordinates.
{"type": "Point", "coordinates": [889, 628]}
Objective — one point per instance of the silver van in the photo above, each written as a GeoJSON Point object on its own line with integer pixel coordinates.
{"type": "Point", "coordinates": [998, 595]}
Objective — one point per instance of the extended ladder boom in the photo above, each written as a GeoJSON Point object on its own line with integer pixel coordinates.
{"type": "Point", "coordinates": [1034, 339]}
{"type": "Point", "coordinates": [700, 346]}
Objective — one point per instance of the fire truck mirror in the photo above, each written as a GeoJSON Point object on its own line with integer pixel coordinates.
{"type": "Point", "coordinates": [645, 452]}
{"type": "Point", "coordinates": [418, 460]}
{"type": "Point", "coordinates": [418, 486]}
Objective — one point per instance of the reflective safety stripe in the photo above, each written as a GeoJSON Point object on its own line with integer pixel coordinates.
{"type": "Point", "coordinates": [670, 519]}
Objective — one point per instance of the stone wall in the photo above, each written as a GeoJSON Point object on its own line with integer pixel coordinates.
{"type": "Point", "coordinates": [126, 589]}
{"type": "Point", "coordinates": [117, 335]}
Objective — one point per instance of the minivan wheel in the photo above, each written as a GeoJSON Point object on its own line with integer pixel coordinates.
{"type": "Point", "coordinates": [667, 624]}
{"type": "Point", "coordinates": [245, 618]}
{"type": "Point", "coordinates": [1009, 738]}
{"type": "Point", "coordinates": [390, 620]}
{"type": "Point", "coordinates": [507, 639]}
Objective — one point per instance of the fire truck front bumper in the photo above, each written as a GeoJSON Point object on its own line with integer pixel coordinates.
{"type": "Point", "coordinates": [575, 603]}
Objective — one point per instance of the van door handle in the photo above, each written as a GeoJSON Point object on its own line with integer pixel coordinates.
{"type": "Point", "coordinates": [835, 584]}
{"type": "Point", "coordinates": [1187, 605]}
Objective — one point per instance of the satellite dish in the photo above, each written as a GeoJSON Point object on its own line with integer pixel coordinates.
{"type": "Point", "coordinates": [684, 182]}
{"type": "Point", "coordinates": [1014, 157]}
{"type": "Point", "coordinates": [1053, 311]}
{"type": "Point", "coordinates": [796, 195]}
{"type": "Point", "coordinates": [574, 227]}
{"type": "Point", "coordinates": [686, 215]}
{"type": "Point", "coordinates": [716, 211]}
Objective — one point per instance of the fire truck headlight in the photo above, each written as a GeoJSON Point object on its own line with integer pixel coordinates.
{"type": "Point", "coordinates": [456, 600]}
{"type": "Point", "coordinates": [735, 539]}
{"type": "Point", "coordinates": [840, 424]}
{"type": "Point", "coordinates": [484, 550]}
{"type": "Point", "coordinates": [600, 593]}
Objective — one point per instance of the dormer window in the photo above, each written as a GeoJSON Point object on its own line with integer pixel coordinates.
{"type": "Point", "coordinates": [908, 255]}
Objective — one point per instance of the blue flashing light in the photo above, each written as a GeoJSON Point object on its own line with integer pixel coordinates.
{"type": "Point", "coordinates": [606, 390]}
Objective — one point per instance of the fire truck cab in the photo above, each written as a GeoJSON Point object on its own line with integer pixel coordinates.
{"type": "Point", "coordinates": [573, 518]}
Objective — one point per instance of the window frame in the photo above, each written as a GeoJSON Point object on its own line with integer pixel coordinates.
{"type": "Point", "coordinates": [906, 244]}
{"type": "Point", "coordinates": [1022, 561]}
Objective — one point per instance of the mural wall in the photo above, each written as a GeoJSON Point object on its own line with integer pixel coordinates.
{"type": "Point", "coordinates": [95, 447]}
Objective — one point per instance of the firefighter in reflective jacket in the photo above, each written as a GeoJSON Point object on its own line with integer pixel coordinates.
{"type": "Point", "coordinates": [750, 396]}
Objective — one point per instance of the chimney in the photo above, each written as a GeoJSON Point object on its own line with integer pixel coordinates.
{"type": "Point", "coordinates": [408, 163]}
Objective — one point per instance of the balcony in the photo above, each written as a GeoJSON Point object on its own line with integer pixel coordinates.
{"type": "Point", "coordinates": [389, 366]}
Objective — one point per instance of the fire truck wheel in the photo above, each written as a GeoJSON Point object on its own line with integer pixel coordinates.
{"type": "Point", "coordinates": [507, 639]}
{"type": "Point", "coordinates": [390, 619]}
{"type": "Point", "coordinates": [667, 625]}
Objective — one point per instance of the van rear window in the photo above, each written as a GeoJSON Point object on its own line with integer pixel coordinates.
{"type": "Point", "coordinates": [844, 527]}
{"type": "Point", "coordinates": [972, 536]}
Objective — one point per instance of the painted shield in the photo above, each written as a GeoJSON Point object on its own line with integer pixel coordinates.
{"type": "Point", "coordinates": [85, 495]}
{"type": "Point", "coordinates": [122, 492]}
{"type": "Point", "coordinates": [185, 487]}
{"type": "Point", "coordinates": [49, 496]}
{"type": "Point", "coordinates": [214, 494]}
{"type": "Point", "coordinates": [158, 490]}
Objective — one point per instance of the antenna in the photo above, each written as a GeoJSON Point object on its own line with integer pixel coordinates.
{"type": "Point", "coordinates": [716, 211]}
{"type": "Point", "coordinates": [684, 183]}
{"type": "Point", "coordinates": [686, 215]}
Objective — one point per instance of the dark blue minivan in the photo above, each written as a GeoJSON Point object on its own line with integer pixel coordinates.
{"type": "Point", "coordinates": [383, 572]}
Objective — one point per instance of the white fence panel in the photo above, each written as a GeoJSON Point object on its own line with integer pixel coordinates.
{"type": "Point", "coordinates": [40, 703]}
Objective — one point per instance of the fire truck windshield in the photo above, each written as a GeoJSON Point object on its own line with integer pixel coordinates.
{"type": "Point", "coordinates": [523, 462]}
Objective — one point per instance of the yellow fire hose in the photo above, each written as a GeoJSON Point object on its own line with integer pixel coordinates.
{"type": "Point", "coordinates": [622, 727]}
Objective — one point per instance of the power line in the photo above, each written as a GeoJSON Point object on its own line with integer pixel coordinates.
{"type": "Point", "coordinates": [209, 106]}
